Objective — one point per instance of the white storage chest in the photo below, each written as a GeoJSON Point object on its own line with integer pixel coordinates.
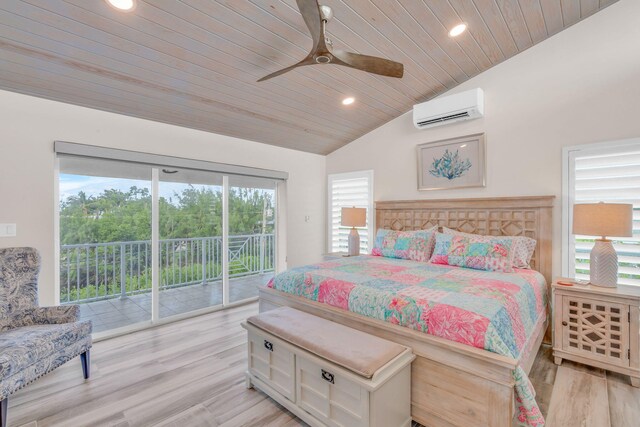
{"type": "Point", "coordinates": [323, 392]}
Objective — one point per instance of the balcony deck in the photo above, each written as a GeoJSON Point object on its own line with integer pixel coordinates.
{"type": "Point", "coordinates": [118, 312]}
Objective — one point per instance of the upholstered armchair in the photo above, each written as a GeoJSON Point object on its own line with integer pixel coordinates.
{"type": "Point", "coordinates": [33, 340]}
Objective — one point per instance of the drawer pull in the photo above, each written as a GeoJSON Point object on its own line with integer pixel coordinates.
{"type": "Point", "coordinates": [327, 376]}
{"type": "Point", "coordinates": [268, 345]}
{"type": "Point", "coordinates": [564, 323]}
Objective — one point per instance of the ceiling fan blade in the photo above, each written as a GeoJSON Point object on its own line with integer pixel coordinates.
{"type": "Point", "coordinates": [370, 64]}
{"type": "Point", "coordinates": [306, 61]}
{"type": "Point", "coordinates": [310, 10]}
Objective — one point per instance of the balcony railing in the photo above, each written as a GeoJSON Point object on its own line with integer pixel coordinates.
{"type": "Point", "coordinates": [95, 271]}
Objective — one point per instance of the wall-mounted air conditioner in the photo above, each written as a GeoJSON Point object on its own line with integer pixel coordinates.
{"type": "Point", "coordinates": [449, 109]}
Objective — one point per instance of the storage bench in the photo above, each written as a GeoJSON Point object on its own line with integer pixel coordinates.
{"type": "Point", "coordinates": [329, 374]}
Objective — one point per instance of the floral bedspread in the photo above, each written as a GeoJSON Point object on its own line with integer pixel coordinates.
{"type": "Point", "coordinates": [490, 310]}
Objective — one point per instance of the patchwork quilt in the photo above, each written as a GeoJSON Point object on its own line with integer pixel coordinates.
{"type": "Point", "coordinates": [494, 311]}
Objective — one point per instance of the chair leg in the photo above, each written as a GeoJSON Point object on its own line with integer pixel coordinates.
{"type": "Point", "coordinates": [4, 405]}
{"type": "Point", "coordinates": [86, 364]}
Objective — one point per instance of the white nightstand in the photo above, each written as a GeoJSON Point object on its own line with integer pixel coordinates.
{"type": "Point", "coordinates": [598, 326]}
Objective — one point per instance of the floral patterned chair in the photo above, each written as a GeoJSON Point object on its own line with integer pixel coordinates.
{"type": "Point", "coordinates": [33, 340]}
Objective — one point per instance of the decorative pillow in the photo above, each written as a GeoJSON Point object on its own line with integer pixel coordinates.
{"type": "Point", "coordinates": [478, 252]}
{"type": "Point", "coordinates": [523, 247]}
{"type": "Point", "coordinates": [414, 245]}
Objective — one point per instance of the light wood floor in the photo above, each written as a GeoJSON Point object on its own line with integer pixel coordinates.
{"type": "Point", "coordinates": [190, 373]}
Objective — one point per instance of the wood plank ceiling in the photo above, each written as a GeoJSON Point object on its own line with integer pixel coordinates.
{"type": "Point", "coordinates": [195, 63]}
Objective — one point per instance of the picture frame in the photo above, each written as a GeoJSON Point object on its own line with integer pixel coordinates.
{"type": "Point", "coordinates": [452, 163]}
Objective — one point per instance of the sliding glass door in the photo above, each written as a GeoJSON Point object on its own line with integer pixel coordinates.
{"type": "Point", "coordinates": [190, 245]}
{"type": "Point", "coordinates": [144, 242]}
{"type": "Point", "coordinates": [252, 233]}
{"type": "Point", "coordinates": [105, 236]}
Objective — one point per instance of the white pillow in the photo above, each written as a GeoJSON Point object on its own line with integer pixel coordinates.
{"type": "Point", "coordinates": [523, 247]}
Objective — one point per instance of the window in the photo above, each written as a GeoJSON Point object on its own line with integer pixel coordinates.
{"type": "Point", "coordinates": [142, 241]}
{"type": "Point", "coordinates": [345, 190]}
{"type": "Point", "coordinates": [602, 173]}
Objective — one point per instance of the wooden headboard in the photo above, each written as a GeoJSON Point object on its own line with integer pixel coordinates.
{"type": "Point", "coordinates": [505, 216]}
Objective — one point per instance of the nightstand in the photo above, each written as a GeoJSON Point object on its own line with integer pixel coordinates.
{"type": "Point", "coordinates": [598, 326]}
{"type": "Point", "coordinates": [333, 255]}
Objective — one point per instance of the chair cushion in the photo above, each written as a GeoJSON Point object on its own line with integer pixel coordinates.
{"type": "Point", "coordinates": [22, 347]}
{"type": "Point", "coordinates": [354, 350]}
{"type": "Point", "coordinates": [40, 316]}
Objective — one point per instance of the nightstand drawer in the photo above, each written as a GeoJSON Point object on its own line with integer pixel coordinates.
{"type": "Point", "coordinates": [595, 329]}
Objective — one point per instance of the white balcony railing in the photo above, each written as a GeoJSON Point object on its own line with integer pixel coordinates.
{"type": "Point", "coordinates": [95, 271]}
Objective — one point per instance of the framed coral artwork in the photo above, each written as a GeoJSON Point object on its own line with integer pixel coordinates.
{"type": "Point", "coordinates": [452, 163]}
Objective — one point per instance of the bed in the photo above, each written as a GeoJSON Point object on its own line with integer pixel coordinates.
{"type": "Point", "coordinates": [453, 382]}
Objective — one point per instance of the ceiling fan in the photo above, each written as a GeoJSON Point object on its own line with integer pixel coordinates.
{"type": "Point", "coordinates": [316, 17]}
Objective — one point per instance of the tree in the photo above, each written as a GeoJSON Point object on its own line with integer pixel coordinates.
{"type": "Point", "coordinates": [121, 216]}
{"type": "Point", "coordinates": [125, 216]}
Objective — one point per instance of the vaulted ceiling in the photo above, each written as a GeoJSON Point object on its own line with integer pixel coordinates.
{"type": "Point", "coordinates": [195, 63]}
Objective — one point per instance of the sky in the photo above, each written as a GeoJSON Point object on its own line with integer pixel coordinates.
{"type": "Point", "coordinates": [71, 185]}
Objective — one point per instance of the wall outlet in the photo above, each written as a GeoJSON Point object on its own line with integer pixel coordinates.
{"type": "Point", "coordinates": [307, 218]}
{"type": "Point", "coordinates": [8, 230]}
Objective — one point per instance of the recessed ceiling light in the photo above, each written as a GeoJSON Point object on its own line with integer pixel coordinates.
{"type": "Point", "coordinates": [123, 5]}
{"type": "Point", "coordinates": [348, 101]}
{"type": "Point", "coordinates": [457, 30]}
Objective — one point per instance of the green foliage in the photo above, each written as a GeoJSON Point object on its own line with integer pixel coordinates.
{"type": "Point", "coordinates": [96, 286]}
{"type": "Point", "coordinates": [117, 216]}
{"type": "Point", "coordinates": [125, 216]}
{"type": "Point", "coordinates": [111, 217]}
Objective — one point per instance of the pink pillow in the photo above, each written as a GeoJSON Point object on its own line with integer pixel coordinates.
{"type": "Point", "coordinates": [415, 245]}
{"type": "Point", "coordinates": [479, 252]}
{"type": "Point", "coordinates": [523, 247]}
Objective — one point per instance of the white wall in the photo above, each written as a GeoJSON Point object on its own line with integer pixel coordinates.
{"type": "Point", "coordinates": [578, 87]}
{"type": "Point", "coordinates": [29, 126]}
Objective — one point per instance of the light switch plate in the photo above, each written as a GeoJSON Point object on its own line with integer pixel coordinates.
{"type": "Point", "coordinates": [8, 230]}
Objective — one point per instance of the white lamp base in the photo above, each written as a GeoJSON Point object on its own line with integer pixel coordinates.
{"type": "Point", "coordinates": [354, 242]}
{"type": "Point", "coordinates": [604, 264]}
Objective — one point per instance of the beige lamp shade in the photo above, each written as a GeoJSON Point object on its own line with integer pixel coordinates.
{"type": "Point", "coordinates": [353, 217]}
{"type": "Point", "coordinates": [603, 219]}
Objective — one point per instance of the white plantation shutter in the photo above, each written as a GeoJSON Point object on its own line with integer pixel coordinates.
{"type": "Point", "coordinates": [606, 174]}
{"type": "Point", "coordinates": [348, 190]}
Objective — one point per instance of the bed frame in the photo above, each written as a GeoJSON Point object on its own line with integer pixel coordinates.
{"type": "Point", "coordinates": [452, 384]}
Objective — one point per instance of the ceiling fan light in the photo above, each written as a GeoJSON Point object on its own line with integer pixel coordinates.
{"type": "Point", "coordinates": [122, 5]}
{"type": "Point", "coordinates": [457, 30]}
{"type": "Point", "coordinates": [348, 101]}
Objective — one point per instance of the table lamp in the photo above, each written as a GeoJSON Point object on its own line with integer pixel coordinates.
{"type": "Point", "coordinates": [354, 217]}
{"type": "Point", "coordinates": [603, 219]}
